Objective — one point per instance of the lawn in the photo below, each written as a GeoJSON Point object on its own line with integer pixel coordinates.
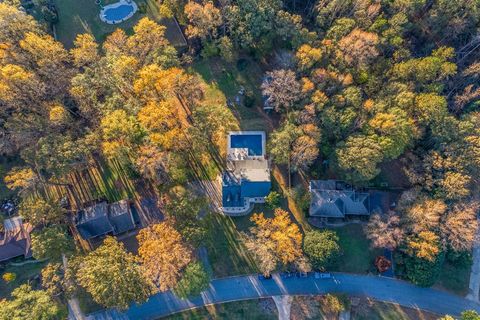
{"type": "Point", "coordinates": [82, 16]}
{"type": "Point", "coordinates": [263, 309]}
{"type": "Point", "coordinates": [224, 80]}
{"type": "Point", "coordinates": [226, 252]}
{"type": "Point", "coordinates": [358, 257]}
{"type": "Point", "coordinates": [101, 180]}
{"type": "Point", "coordinates": [24, 273]}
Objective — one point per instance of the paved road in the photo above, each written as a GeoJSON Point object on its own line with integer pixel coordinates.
{"type": "Point", "coordinates": [474, 285]}
{"type": "Point", "coordinates": [250, 287]}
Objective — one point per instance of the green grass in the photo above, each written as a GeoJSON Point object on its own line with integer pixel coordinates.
{"type": "Point", "coordinates": [24, 274]}
{"type": "Point", "coordinates": [225, 80]}
{"type": "Point", "coordinates": [226, 252]}
{"type": "Point", "coordinates": [77, 17]}
{"type": "Point", "coordinates": [237, 310]}
{"type": "Point", "coordinates": [455, 278]}
{"type": "Point", "coordinates": [357, 256]}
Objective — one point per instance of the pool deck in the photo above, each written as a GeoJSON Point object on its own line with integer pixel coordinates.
{"type": "Point", "coordinates": [116, 5]}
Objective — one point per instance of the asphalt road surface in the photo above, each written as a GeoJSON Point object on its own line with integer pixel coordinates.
{"type": "Point", "coordinates": [251, 287]}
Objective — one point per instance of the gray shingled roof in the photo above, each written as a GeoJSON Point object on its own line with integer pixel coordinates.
{"type": "Point", "coordinates": [327, 201]}
{"type": "Point", "coordinates": [120, 217]}
{"type": "Point", "coordinates": [93, 221]}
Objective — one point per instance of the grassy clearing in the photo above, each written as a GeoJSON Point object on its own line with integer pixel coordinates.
{"type": "Point", "coordinates": [225, 80]}
{"type": "Point", "coordinates": [357, 256]}
{"type": "Point", "coordinates": [263, 309]}
{"type": "Point", "coordinates": [77, 17]}
{"type": "Point", "coordinates": [226, 252]}
{"type": "Point", "coordinates": [102, 180]}
{"type": "Point", "coordinates": [24, 274]}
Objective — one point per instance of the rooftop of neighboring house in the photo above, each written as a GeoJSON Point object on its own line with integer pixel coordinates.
{"type": "Point", "coordinates": [102, 218]}
{"type": "Point", "coordinates": [336, 199]}
{"type": "Point", "coordinates": [15, 239]}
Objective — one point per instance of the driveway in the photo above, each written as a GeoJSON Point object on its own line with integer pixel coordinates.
{"type": "Point", "coordinates": [250, 287]}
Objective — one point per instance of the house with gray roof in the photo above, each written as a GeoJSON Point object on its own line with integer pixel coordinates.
{"type": "Point", "coordinates": [101, 219]}
{"type": "Point", "coordinates": [247, 178]}
{"type": "Point", "coordinates": [336, 199]}
{"type": "Point", "coordinates": [93, 221]}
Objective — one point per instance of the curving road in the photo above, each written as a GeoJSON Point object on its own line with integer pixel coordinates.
{"type": "Point", "coordinates": [250, 287]}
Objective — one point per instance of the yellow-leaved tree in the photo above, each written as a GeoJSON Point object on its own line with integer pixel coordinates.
{"type": "Point", "coordinates": [275, 240]}
{"type": "Point", "coordinates": [163, 255]}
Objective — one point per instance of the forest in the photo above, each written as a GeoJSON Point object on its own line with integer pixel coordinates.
{"type": "Point", "coordinates": [355, 86]}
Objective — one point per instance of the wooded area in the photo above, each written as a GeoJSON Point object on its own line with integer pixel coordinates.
{"type": "Point", "coordinates": [355, 85]}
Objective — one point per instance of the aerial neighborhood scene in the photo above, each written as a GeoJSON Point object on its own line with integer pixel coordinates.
{"type": "Point", "coordinates": [239, 159]}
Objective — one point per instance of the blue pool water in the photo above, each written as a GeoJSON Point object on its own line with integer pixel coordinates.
{"type": "Point", "coordinates": [252, 142]}
{"type": "Point", "coordinates": [119, 13]}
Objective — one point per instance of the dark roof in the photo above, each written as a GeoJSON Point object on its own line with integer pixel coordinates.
{"type": "Point", "coordinates": [102, 218]}
{"type": "Point", "coordinates": [121, 217]}
{"type": "Point", "coordinates": [232, 196]}
{"type": "Point", "coordinates": [329, 200]}
{"type": "Point", "coordinates": [93, 221]}
{"type": "Point", "coordinates": [15, 239]}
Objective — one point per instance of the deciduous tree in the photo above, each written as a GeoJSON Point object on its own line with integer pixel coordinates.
{"type": "Point", "coordinates": [322, 248]}
{"type": "Point", "coordinates": [282, 89]}
{"type": "Point", "coordinates": [460, 226]}
{"type": "Point", "coordinates": [359, 48]}
{"type": "Point", "coordinates": [27, 303]}
{"type": "Point", "coordinates": [50, 243]}
{"type": "Point", "coordinates": [277, 239]}
{"type": "Point", "coordinates": [112, 276]}
{"type": "Point", "coordinates": [194, 280]}
{"type": "Point", "coordinates": [163, 255]}
{"type": "Point", "coordinates": [204, 19]}
{"type": "Point", "coordinates": [385, 231]}
{"type": "Point", "coordinates": [359, 157]}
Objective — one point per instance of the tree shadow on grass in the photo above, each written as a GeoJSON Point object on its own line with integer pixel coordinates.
{"type": "Point", "coordinates": [227, 253]}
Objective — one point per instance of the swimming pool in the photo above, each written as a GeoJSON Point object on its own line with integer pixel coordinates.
{"type": "Point", "coordinates": [118, 12]}
{"type": "Point", "coordinates": [252, 142]}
